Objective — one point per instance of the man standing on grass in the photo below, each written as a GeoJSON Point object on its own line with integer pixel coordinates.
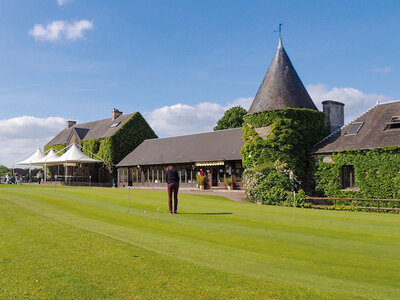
{"type": "Point", "coordinates": [39, 176]}
{"type": "Point", "coordinates": [172, 179]}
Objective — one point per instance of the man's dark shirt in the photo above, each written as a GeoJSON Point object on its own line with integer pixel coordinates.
{"type": "Point", "coordinates": [172, 176]}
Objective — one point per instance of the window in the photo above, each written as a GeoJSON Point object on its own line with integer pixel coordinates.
{"type": "Point", "coordinates": [115, 124]}
{"type": "Point", "coordinates": [393, 124]}
{"type": "Point", "coordinates": [348, 177]}
{"type": "Point", "coordinates": [354, 128]}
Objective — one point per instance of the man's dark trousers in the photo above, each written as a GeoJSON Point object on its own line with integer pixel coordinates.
{"type": "Point", "coordinates": [173, 188]}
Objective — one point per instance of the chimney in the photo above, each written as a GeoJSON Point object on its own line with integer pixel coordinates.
{"type": "Point", "coordinates": [116, 113]}
{"type": "Point", "coordinates": [334, 114]}
{"type": "Point", "coordinates": [70, 124]}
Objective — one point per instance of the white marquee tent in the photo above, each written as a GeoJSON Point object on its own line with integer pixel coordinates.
{"type": "Point", "coordinates": [72, 156]}
{"type": "Point", "coordinates": [31, 160]}
{"type": "Point", "coordinates": [47, 160]}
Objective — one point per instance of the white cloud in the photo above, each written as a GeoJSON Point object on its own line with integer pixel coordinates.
{"type": "Point", "coordinates": [19, 136]}
{"type": "Point", "coordinates": [382, 70]}
{"type": "Point", "coordinates": [180, 119]}
{"type": "Point", "coordinates": [243, 102]}
{"type": "Point", "coordinates": [356, 102]}
{"type": "Point", "coordinates": [62, 2]}
{"type": "Point", "coordinates": [58, 30]}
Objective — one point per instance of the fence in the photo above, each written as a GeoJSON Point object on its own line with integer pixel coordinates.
{"type": "Point", "coordinates": [355, 203]}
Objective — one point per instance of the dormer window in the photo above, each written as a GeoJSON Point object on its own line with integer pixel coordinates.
{"type": "Point", "coordinates": [115, 125]}
{"type": "Point", "coordinates": [354, 128]}
{"type": "Point", "coordinates": [393, 124]}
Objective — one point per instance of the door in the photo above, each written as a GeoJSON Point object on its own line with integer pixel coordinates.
{"type": "Point", "coordinates": [214, 172]}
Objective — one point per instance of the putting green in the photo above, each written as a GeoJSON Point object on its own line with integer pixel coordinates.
{"type": "Point", "coordinates": [82, 241]}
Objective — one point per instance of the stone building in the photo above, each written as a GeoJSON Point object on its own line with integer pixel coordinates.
{"type": "Point", "coordinates": [215, 155]}
{"type": "Point", "coordinates": [110, 139]}
{"type": "Point", "coordinates": [362, 159]}
{"type": "Point", "coordinates": [223, 154]}
{"type": "Point", "coordinates": [284, 125]}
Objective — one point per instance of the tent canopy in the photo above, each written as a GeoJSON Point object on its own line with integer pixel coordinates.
{"type": "Point", "coordinates": [73, 155]}
{"type": "Point", "coordinates": [34, 158]}
{"type": "Point", "coordinates": [47, 160]}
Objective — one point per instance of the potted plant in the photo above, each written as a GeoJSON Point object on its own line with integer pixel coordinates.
{"type": "Point", "coordinates": [201, 181]}
{"type": "Point", "coordinates": [229, 183]}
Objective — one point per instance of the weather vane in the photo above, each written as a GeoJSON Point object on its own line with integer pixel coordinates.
{"type": "Point", "coordinates": [279, 30]}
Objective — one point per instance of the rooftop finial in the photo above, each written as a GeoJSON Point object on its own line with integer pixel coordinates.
{"type": "Point", "coordinates": [280, 32]}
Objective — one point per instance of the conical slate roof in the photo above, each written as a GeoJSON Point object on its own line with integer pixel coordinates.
{"type": "Point", "coordinates": [281, 87]}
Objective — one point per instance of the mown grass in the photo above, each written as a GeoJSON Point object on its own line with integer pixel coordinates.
{"type": "Point", "coordinates": [87, 243]}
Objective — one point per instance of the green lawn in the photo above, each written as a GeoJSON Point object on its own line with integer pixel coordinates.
{"type": "Point", "coordinates": [86, 243]}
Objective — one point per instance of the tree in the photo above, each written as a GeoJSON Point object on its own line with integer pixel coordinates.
{"type": "Point", "coordinates": [4, 170]}
{"type": "Point", "coordinates": [233, 118]}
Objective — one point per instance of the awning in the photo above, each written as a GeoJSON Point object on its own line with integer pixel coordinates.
{"type": "Point", "coordinates": [210, 163]}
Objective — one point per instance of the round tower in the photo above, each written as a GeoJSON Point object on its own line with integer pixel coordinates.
{"type": "Point", "coordinates": [283, 121]}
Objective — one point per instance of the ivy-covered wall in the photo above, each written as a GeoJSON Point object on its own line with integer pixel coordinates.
{"type": "Point", "coordinates": [377, 173]}
{"type": "Point", "coordinates": [282, 135]}
{"type": "Point", "coordinates": [56, 148]}
{"type": "Point", "coordinates": [114, 148]}
{"type": "Point", "coordinates": [131, 135]}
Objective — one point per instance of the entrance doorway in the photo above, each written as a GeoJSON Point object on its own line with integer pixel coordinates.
{"type": "Point", "coordinates": [214, 176]}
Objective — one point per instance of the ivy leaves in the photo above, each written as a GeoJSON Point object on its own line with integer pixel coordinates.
{"type": "Point", "coordinates": [293, 132]}
{"type": "Point", "coordinates": [377, 173]}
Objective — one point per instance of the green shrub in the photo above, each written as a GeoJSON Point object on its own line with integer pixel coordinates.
{"type": "Point", "coordinates": [250, 184]}
{"type": "Point", "coordinates": [228, 181]}
{"type": "Point", "coordinates": [271, 195]}
{"type": "Point", "coordinates": [265, 185]}
{"type": "Point", "coordinates": [276, 179]}
{"type": "Point", "coordinates": [201, 180]}
{"type": "Point", "coordinates": [300, 199]}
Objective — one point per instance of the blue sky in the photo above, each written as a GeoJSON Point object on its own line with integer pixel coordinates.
{"type": "Point", "coordinates": [182, 61]}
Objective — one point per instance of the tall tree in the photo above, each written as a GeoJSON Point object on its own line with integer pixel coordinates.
{"type": "Point", "coordinates": [4, 170]}
{"type": "Point", "coordinates": [233, 118]}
